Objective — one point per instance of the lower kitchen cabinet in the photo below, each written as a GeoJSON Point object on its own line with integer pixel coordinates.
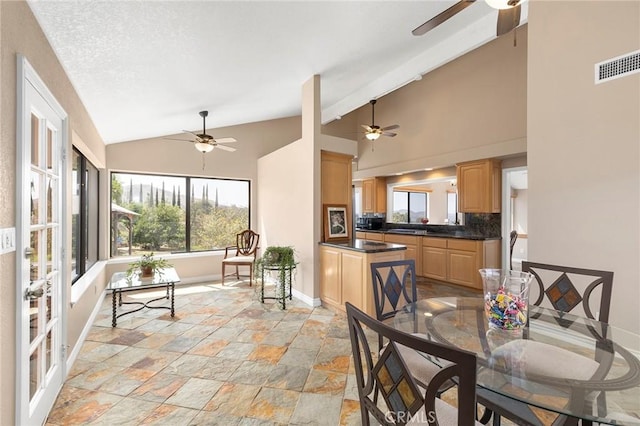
{"type": "Point", "coordinates": [413, 244]}
{"type": "Point", "coordinates": [345, 276]}
{"type": "Point", "coordinates": [457, 260]}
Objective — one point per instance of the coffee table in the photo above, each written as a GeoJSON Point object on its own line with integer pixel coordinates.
{"type": "Point", "coordinates": [121, 282]}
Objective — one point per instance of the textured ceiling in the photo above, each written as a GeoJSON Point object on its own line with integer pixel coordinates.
{"type": "Point", "coordinates": [145, 68]}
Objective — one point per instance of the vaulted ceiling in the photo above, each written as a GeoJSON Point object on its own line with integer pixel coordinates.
{"type": "Point", "coordinates": [145, 68]}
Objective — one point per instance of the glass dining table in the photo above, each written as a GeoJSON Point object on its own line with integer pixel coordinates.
{"type": "Point", "coordinates": [560, 362]}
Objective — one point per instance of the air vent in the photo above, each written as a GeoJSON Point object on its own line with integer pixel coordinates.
{"type": "Point", "coordinates": [618, 67]}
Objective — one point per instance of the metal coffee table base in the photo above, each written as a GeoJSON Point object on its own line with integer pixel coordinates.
{"type": "Point", "coordinates": [117, 294]}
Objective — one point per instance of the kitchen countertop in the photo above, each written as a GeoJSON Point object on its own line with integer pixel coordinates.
{"type": "Point", "coordinates": [365, 246]}
{"type": "Point", "coordinates": [425, 233]}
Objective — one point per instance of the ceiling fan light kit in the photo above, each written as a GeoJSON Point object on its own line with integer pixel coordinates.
{"type": "Point", "coordinates": [503, 4]}
{"type": "Point", "coordinates": [203, 147]}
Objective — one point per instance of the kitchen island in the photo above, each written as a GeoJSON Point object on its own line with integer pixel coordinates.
{"type": "Point", "coordinates": [345, 272]}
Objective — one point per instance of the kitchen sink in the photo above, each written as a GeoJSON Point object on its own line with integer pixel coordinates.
{"type": "Point", "coordinates": [408, 231]}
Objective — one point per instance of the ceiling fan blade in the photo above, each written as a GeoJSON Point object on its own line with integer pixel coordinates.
{"type": "Point", "coordinates": [367, 128]}
{"type": "Point", "coordinates": [508, 19]}
{"type": "Point", "coordinates": [225, 148]}
{"type": "Point", "coordinates": [392, 127]}
{"type": "Point", "coordinates": [226, 140]}
{"type": "Point", "coordinates": [193, 133]}
{"type": "Point", "coordinates": [441, 17]}
{"type": "Point", "coordinates": [389, 134]}
{"type": "Point", "coordinates": [174, 139]}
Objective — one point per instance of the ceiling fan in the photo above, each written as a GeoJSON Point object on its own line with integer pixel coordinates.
{"type": "Point", "coordinates": [508, 15]}
{"type": "Point", "coordinates": [373, 132]}
{"type": "Point", "coordinates": [206, 143]}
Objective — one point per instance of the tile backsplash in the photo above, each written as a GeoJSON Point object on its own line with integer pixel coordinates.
{"type": "Point", "coordinates": [486, 224]}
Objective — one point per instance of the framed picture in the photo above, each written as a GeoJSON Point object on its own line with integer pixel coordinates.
{"type": "Point", "coordinates": [336, 223]}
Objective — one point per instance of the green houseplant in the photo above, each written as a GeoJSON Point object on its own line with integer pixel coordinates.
{"type": "Point", "coordinates": [281, 257]}
{"type": "Point", "coordinates": [147, 265]}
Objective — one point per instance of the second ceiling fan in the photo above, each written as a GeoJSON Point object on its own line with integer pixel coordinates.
{"type": "Point", "coordinates": [508, 15]}
{"type": "Point", "coordinates": [373, 131]}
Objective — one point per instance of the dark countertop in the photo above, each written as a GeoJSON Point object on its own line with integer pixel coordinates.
{"type": "Point", "coordinates": [423, 233]}
{"type": "Point", "coordinates": [365, 246]}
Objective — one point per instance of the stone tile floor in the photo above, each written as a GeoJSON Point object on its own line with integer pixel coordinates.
{"type": "Point", "coordinates": [225, 358]}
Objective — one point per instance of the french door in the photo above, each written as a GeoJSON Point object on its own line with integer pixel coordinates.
{"type": "Point", "coordinates": [41, 137]}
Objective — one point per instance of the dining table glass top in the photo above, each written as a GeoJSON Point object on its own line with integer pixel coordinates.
{"type": "Point", "coordinates": [559, 362]}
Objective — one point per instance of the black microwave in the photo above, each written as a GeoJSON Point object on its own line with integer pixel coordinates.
{"type": "Point", "coordinates": [370, 222]}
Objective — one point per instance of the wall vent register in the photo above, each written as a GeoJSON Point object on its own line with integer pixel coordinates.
{"type": "Point", "coordinates": [618, 67]}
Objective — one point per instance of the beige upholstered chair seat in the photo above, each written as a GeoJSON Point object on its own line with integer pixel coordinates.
{"type": "Point", "coordinates": [537, 358]}
{"type": "Point", "coordinates": [239, 259]}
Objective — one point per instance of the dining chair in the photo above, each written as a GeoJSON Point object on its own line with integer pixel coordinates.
{"type": "Point", "coordinates": [565, 288]}
{"type": "Point", "coordinates": [394, 288]}
{"type": "Point", "coordinates": [513, 237]}
{"type": "Point", "coordinates": [242, 254]}
{"type": "Point", "coordinates": [387, 373]}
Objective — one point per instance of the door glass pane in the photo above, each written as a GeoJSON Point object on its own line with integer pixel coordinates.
{"type": "Point", "coordinates": [49, 199]}
{"type": "Point", "coordinates": [34, 267]}
{"type": "Point", "coordinates": [49, 351]}
{"type": "Point", "coordinates": [33, 319]}
{"type": "Point", "coordinates": [35, 197]}
{"type": "Point", "coordinates": [50, 159]}
{"type": "Point", "coordinates": [48, 300]}
{"type": "Point", "coordinates": [35, 148]}
{"type": "Point", "coordinates": [34, 372]}
{"type": "Point", "coordinates": [51, 243]}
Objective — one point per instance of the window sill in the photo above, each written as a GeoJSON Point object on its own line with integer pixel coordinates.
{"type": "Point", "coordinates": [86, 281]}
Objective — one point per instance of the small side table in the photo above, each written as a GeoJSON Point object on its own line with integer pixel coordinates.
{"type": "Point", "coordinates": [284, 280]}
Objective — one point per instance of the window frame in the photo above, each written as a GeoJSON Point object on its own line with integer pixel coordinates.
{"type": "Point", "coordinates": [187, 207]}
{"type": "Point", "coordinates": [85, 226]}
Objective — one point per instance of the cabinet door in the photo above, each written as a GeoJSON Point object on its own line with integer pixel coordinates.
{"type": "Point", "coordinates": [330, 274]}
{"type": "Point", "coordinates": [352, 279]}
{"type": "Point", "coordinates": [472, 187]}
{"type": "Point", "coordinates": [368, 196]}
{"type": "Point", "coordinates": [434, 263]}
{"type": "Point", "coordinates": [463, 268]}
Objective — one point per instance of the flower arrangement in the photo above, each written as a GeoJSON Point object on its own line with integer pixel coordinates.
{"type": "Point", "coordinates": [147, 265]}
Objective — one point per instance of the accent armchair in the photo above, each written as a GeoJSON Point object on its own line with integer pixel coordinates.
{"type": "Point", "coordinates": [242, 254]}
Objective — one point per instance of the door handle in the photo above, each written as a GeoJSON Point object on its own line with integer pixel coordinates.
{"type": "Point", "coordinates": [34, 293]}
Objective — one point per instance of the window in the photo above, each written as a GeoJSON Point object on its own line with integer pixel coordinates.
{"type": "Point", "coordinates": [409, 207]}
{"type": "Point", "coordinates": [159, 214]}
{"type": "Point", "coordinates": [84, 217]}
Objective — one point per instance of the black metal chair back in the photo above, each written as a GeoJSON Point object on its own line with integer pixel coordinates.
{"type": "Point", "coordinates": [558, 283]}
{"type": "Point", "coordinates": [394, 286]}
{"type": "Point", "coordinates": [388, 374]}
{"type": "Point", "coordinates": [513, 237]}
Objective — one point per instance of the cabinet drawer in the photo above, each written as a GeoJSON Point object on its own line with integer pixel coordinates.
{"type": "Point", "coordinates": [400, 239]}
{"type": "Point", "coordinates": [434, 242]}
{"type": "Point", "coordinates": [361, 235]}
{"type": "Point", "coordinates": [466, 245]}
{"type": "Point", "coordinates": [375, 236]}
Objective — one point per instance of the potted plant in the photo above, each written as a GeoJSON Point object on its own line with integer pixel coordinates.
{"type": "Point", "coordinates": [147, 265]}
{"type": "Point", "coordinates": [280, 257]}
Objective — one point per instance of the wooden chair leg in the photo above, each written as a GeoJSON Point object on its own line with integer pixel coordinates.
{"type": "Point", "coordinates": [223, 271]}
{"type": "Point", "coordinates": [237, 273]}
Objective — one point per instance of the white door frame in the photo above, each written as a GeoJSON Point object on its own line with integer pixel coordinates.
{"type": "Point", "coordinates": [507, 212]}
{"type": "Point", "coordinates": [29, 84]}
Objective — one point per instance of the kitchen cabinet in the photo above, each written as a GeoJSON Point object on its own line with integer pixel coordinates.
{"type": "Point", "coordinates": [374, 195]}
{"type": "Point", "coordinates": [457, 260]}
{"type": "Point", "coordinates": [335, 184]}
{"type": "Point", "coordinates": [479, 186]}
{"type": "Point", "coordinates": [414, 247]}
{"type": "Point", "coordinates": [345, 276]}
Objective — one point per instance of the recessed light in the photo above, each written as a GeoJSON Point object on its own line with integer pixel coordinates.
{"type": "Point", "coordinates": [428, 169]}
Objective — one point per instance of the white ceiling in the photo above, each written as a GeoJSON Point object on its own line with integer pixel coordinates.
{"type": "Point", "coordinates": [145, 68]}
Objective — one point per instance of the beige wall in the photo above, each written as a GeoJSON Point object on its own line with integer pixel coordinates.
{"type": "Point", "coordinates": [473, 107]}
{"type": "Point", "coordinates": [583, 144]}
{"type": "Point", "coordinates": [20, 33]}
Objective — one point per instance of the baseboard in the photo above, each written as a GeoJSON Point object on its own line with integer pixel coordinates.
{"type": "Point", "coordinates": [73, 355]}
{"type": "Point", "coordinates": [305, 299]}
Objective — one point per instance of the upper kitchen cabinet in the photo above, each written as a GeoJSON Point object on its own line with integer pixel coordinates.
{"type": "Point", "coordinates": [479, 186]}
{"type": "Point", "coordinates": [374, 195]}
